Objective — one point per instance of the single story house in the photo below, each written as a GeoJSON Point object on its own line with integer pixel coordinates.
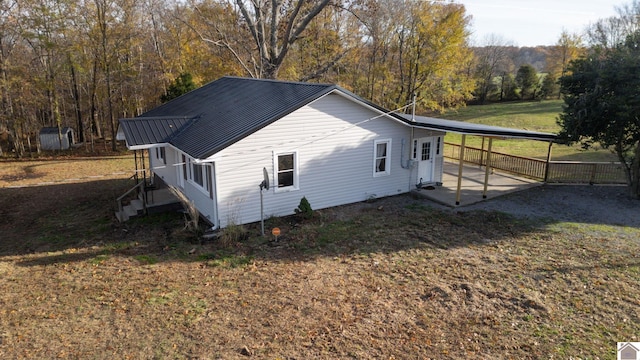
{"type": "Point", "coordinates": [317, 141]}
{"type": "Point", "coordinates": [51, 140]}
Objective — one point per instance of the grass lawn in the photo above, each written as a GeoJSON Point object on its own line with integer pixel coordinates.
{"type": "Point", "coordinates": [390, 279]}
{"type": "Point", "coordinates": [534, 116]}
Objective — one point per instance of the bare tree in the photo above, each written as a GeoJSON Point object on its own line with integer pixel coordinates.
{"type": "Point", "coordinates": [273, 25]}
{"type": "Point", "coordinates": [491, 60]}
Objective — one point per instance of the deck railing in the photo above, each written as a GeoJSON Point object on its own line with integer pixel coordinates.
{"type": "Point", "coordinates": [591, 172]}
{"type": "Point", "coordinates": [558, 171]}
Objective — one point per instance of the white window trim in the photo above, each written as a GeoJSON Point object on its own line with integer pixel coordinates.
{"type": "Point", "coordinates": [182, 171]}
{"type": "Point", "coordinates": [205, 177]}
{"type": "Point", "coordinates": [387, 164]}
{"type": "Point", "coordinates": [296, 184]}
{"type": "Point", "coordinates": [161, 155]}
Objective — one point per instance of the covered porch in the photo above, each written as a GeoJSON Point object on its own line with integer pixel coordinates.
{"type": "Point", "coordinates": [465, 184]}
{"type": "Point", "coordinates": [472, 185]}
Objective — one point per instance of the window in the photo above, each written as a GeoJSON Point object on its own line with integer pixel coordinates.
{"type": "Point", "coordinates": [381, 160]}
{"type": "Point", "coordinates": [199, 175]}
{"type": "Point", "coordinates": [184, 167]}
{"type": "Point", "coordinates": [161, 155]}
{"type": "Point", "coordinates": [426, 150]}
{"type": "Point", "coordinates": [438, 145]}
{"type": "Point", "coordinates": [415, 149]}
{"type": "Point", "coordinates": [286, 172]}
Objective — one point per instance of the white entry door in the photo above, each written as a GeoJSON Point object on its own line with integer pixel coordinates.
{"type": "Point", "coordinates": [424, 155]}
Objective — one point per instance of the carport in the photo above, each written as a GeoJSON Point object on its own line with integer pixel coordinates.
{"type": "Point", "coordinates": [487, 132]}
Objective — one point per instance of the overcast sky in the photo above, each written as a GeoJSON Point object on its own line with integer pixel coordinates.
{"type": "Point", "coordinates": [534, 22]}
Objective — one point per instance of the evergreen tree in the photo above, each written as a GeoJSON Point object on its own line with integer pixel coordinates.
{"type": "Point", "coordinates": [181, 85]}
{"type": "Point", "coordinates": [527, 80]}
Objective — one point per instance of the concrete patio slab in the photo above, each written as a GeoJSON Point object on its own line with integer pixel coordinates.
{"type": "Point", "coordinates": [473, 185]}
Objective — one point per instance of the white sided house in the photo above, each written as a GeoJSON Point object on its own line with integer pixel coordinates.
{"type": "Point", "coordinates": [315, 140]}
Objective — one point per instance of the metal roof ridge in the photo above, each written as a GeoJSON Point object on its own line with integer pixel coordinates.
{"type": "Point", "coordinates": [292, 82]}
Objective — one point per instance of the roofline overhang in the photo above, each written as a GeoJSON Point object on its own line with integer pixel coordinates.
{"type": "Point", "coordinates": [495, 135]}
{"type": "Point", "coordinates": [148, 146]}
{"type": "Point", "coordinates": [460, 127]}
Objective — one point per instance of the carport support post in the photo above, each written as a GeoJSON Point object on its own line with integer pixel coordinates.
{"type": "Point", "coordinates": [460, 164]}
{"type": "Point", "coordinates": [487, 169]}
{"type": "Point", "coordinates": [482, 153]}
{"type": "Point", "coordinates": [546, 169]}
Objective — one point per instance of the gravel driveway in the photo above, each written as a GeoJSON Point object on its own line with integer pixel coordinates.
{"type": "Point", "coordinates": [609, 205]}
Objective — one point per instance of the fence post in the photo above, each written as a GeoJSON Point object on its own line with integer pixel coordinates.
{"type": "Point", "coordinates": [594, 167]}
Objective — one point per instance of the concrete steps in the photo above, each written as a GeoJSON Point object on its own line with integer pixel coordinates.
{"type": "Point", "coordinates": [157, 200]}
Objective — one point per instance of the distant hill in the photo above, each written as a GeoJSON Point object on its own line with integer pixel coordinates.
{"type": "Point", "coordinates": [536, 56]}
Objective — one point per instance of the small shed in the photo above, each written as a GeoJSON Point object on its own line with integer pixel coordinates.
{"type": "Point", "coordinates": [49, 139]}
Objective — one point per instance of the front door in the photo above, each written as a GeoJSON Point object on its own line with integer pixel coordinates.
{"type": "Point", "coordinates": [424, 155]}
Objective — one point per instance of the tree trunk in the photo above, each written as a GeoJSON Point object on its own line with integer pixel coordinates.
{"type": "Point", "coordinates": [635, 173]}
{"type": "Point", "coordinates": [95, 123]}
{"type": "Point", "coordinates": [76, 98]}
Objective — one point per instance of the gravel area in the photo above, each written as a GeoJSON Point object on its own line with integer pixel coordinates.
{"type": "Point", "coordinates": [610, 205]}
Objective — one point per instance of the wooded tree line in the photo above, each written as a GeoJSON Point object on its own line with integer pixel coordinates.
{"type": "Point", "coordinates": [86, 63]}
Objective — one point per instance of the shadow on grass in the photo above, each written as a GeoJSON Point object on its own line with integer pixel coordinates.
{"type": "Point", "coordinates": [75, 222]}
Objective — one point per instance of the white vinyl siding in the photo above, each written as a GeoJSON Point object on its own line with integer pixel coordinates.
{"type": "Point", "coordinates": [333, 141]}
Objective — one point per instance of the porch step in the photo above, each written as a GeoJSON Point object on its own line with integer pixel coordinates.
{"type": "Point", "coordinates": [157, 200]}
{"type": "Point", "coordinates": [137, 204]}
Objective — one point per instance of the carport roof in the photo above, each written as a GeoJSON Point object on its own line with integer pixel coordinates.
{"type": "Point", "coordinates": [467, 128]}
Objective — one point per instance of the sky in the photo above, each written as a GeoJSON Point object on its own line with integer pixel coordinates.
{"type": "Point", "coordinates": [534, 22]}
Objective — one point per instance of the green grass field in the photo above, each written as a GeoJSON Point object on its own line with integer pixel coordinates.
{"type": "Point", "coordinates": [533, 116]}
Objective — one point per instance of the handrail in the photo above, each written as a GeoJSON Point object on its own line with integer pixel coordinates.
{"type": "Point", "coordinates": [121, 197]}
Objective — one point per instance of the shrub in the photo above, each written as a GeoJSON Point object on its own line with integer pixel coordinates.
{"type": "Point", "coordinates": [233, 234]}
{"type": "Point", "coordinates": [304, 209]}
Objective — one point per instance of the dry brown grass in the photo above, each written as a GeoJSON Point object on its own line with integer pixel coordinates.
{"type": "Point", "coordinates": [407, 281]}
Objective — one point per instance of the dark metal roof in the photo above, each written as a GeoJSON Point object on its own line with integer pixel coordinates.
{"type": "Point", "coordinates": [54, 130]}
{"type": "Point", "coordinates": [220, 113]}
{"type": "Point", "coordinates": [476, 129]}
{"type": "Point", "coordinates": [153, 130]}
{"type": "Point", "coordinates": [223, 112]}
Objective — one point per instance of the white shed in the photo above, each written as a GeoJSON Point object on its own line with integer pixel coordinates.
{"type": "Point", "coordinates": [49, 139]}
